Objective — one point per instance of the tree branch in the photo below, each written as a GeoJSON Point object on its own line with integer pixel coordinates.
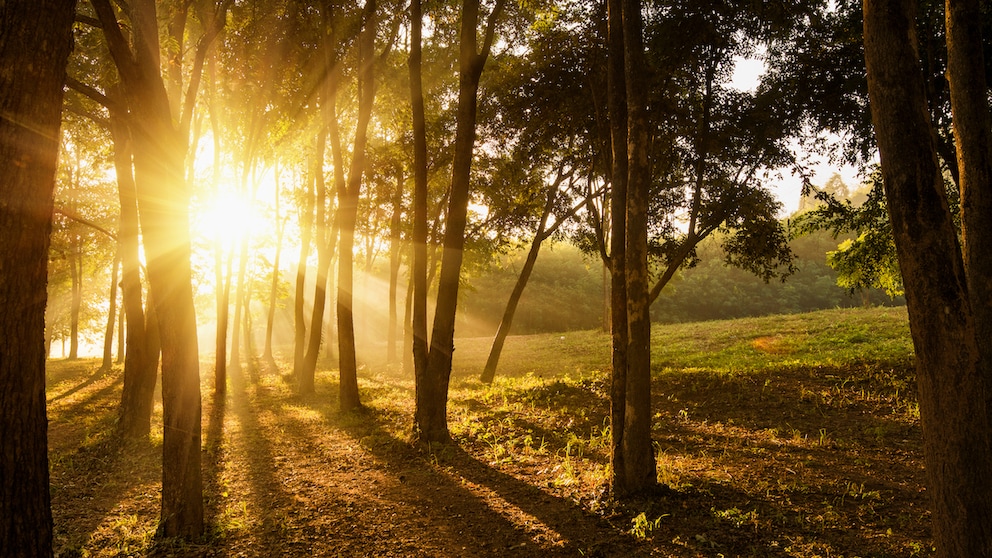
{"type": "Point", "coordinates": [196, 74]}
{"type": "Point", "coordinates": [120, 51]}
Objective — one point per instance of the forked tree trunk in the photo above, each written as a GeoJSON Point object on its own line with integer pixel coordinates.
{"type": "Point", "coordinates": [348, 211]}
{"type": "Point", "coordinates": [142, 348]}
{"type": "Point", "coordinates": [430, 415]}
{"type": "Point", "coordinates": [37, 38]}
{"type": "Point", "coordinates": [952, 386]}
{"type": "Point", "coordinates": [309, 368]}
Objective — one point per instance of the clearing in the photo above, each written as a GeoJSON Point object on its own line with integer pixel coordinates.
{"type": "Point", "coordinates": [778, 436]}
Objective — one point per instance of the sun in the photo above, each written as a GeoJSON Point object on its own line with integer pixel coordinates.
{"type": "Point", "coordinates": [229, 218]}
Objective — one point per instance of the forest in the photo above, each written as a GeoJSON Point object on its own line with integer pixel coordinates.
{"type": "Point", "coordinates": [243, 240]}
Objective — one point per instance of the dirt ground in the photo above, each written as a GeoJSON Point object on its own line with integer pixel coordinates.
{"type": "Point", "coordinates": [805, 463]}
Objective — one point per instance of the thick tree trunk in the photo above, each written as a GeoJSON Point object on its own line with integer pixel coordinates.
{"type": "Point", "coordinates": [952, 387]}
{"type": "Point", "coordinates": [489, 372]}
{"type": "Point", "coordinates": [37, 38]}
{"type": "Point", "coordinates": [638, 451]}
{"type": "Point", "coordinates": [973, 136]}
{"type": "Point", "coordinates": [618, 244]}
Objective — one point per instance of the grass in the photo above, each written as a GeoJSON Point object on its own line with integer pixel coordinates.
{"type": "Point", "coordinates": [779, 436]}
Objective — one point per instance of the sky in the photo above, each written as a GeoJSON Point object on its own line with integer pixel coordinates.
{"type": "Point", "coordinates": [747, 72]}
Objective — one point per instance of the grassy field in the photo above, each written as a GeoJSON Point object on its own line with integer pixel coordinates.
{"type": "Point", "coordinates": [779, 436]}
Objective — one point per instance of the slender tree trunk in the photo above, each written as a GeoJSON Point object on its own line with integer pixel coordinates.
{"type": "Point", "coordinates": [270, 317]}
{"type": "Point", "coordinates": [121, 334]}
{"type": "Point", "coordinates": [952, 386]}
{"type": "Point", "coordinates": [408, 327]}
{"type": "Point", "coordinates": [395, 242]}
{"type": "Point", "coordinates": [489, 372]}
{"type": "Point", "coordinates": [348, 211]}
{"type": "Point", "coordinates": [37, 38]}
{"type": "Point", "coordinates": [430, 415]}
{"type": "Point", "coordinates": [141, 359]}
{"type": "Point", "coordinates": [323, 264]}
{"type": "Point", "coordinates": [108, 338]}
{"type": "Point", "coordinates": [239, 293]}
{"type": "Point", "coordinates": [418, 279]}
{"type": "Point", "coordinates": [618, 244]}
{"type": "Point", "coordinates": [75, 272]}
{"type": "Point", "coordinates": [306, 224]}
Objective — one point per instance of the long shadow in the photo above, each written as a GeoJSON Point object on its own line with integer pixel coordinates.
{"type": "Point", "coordinates": [92, 470]}
{"type": "Point", "coordinates": [566, 529]}
{"type": "Point", "coordinates": [267, 491]}
{"type": "Point", "coordinates": [97, 374]}
{"type": "Point", "coordinates": [214, 452]}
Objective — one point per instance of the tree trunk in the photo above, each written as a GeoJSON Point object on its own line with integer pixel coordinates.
{"type": "Point", "coordinates": [395, 243]}
{"type": "Point", "coordinates": [972, 131]}
{"type": "Point", "coordinates": [37, 38]}
{"type": "Point", "coordinates": [430, 415]}
{"type": "Point", "coordinates": [418, 279]}
{"type": "Point", "coordinates": [108, 338]}
{"type": "Point", "coordinates": [638, 452]}
{"type": "Point", "coordinates": [270, 317]}
{"type": "Point", "coordinates": [121, 335]}
{"type": "Point", "coordinates": [348, 211]}
{"type": "Point", "coordinates": [163, 206]}
{"type": "Point", "coordinates": [952, 386]}
{"type": "Point", "coordinates": [141, 359]}
{"type": "Point", "coordinates": [299, 316]}
{"type": "Point", "coordinates": [618, 244]}
{"type": "Point", "coordinates": [324, 249]}
{"type": "Point", "coordinates": [489, 372]}
{"type": "Point", "coordinates": [239, 297]}
{"type": "Point", "coordinates": [75, 272]}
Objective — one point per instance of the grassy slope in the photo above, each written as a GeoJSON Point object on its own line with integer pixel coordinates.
{"type": "Point", "coordinates": [778, 436]}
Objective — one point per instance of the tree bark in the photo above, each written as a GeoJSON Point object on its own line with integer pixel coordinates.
{"type": "Point", "coordinates": [973, 136]}
{"type": "Point", "coordinates": [324, 249]}
{"type": "Point", "coordinates": [418, 328]}
{"type": "Point", "coordinates": [395, 244]}
{"type": "Point", "coordinates": [141, 359]}
{"type": "Point", "coordinates": [638, 452]}
{"type": "Point", "coordinates": [617, 93]}
{"type": "Point", "coordinates": [163, 206]}
{"type": "Point", "coordinates": [952, 386]}
{"type": "Point", "coordinates": [37, 38]}
{"type": "Point", "coordinates": [489, 372]}
{"type": "Point", "coordinates": [348, 211]}
{"type": "Point", "coordinates": [430, 415]}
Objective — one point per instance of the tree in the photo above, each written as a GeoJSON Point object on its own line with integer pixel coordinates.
{"type": "Point", "coordinates": [160, 145]}
{"type": "Point", "coordinates": [37, 38]}
{"type": "Point", "coordinates": [950, 374]}
{"type": "Point", "coordinates": [430, 415]}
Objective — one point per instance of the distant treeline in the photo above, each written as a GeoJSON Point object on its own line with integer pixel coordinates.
{"type": "Point", "coordinates": [566, 291]}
